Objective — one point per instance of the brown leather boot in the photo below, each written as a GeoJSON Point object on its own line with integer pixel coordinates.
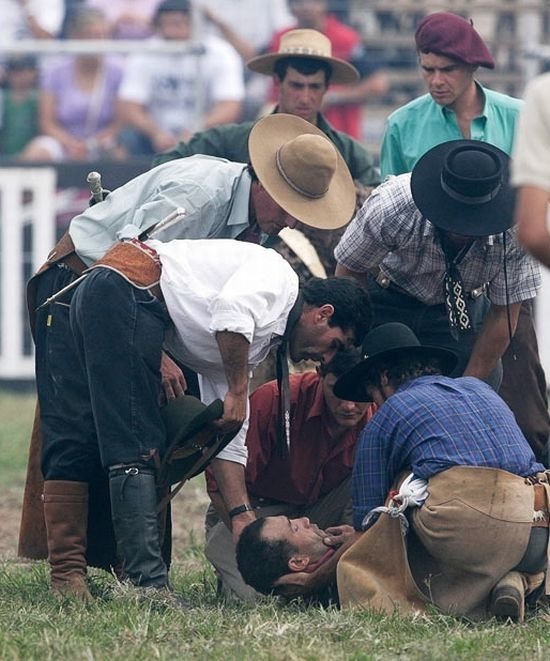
{"type": "Point", "coordinates": [66, 515]}
{"type": "Point", "coordinates": [508, 597]}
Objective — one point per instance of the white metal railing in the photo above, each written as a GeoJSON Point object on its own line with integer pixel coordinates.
{"type": "Point", "coordinates": [27, 234]}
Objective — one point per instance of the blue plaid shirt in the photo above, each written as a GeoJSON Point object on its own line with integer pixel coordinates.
{"type": "Point", "coordinates": [430, 424]}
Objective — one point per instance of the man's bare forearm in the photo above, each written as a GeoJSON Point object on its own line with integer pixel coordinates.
{"type": "Point", "coordinates": [492, 341]}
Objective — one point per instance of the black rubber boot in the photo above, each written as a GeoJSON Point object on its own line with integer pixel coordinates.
{"type": "Point", "coordinates": [135, 522]}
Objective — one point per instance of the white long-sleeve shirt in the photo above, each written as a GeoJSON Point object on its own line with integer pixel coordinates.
{"type": "Point", "coordinates": [223, 285]}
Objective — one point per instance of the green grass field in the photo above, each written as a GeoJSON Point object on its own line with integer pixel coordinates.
{"type": "Point", "coordinates": [120, 626]}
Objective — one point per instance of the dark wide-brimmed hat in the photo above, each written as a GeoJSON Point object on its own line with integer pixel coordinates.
{"type": "Point", "coordinates": [310, 44]}
{"type": "Point", "coordinates": [448, 34]}
{"type": "Point", "coordinates": [192, 440]}
{"type": "Point", "coordinates": [392, 340]}
{"type": "Point", "coordinates": [462, 186]}
{"type": "Point", "coordinates": [302, 171]}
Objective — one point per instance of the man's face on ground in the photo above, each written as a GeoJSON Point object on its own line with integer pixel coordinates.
{"type": "Point", "coordinates": [447, 79]}
{"type": "Point", "coordinates": [301, 95]}
{"type": "Point", "coordinates": [174, 25]}
{"type": "Point", "coordinates": [270, 217]}
{"type": "Point", "coordinates": [313, 338]}
{"type": "Point", "coordinates": [346, 414]}
{"type": "Point", "coordinates": [305, 537]}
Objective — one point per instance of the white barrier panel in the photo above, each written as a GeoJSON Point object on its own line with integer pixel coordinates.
{"type": "Point", "coordinates": [27, 234]}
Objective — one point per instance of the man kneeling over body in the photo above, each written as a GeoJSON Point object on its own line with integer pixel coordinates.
{"type": "Point", "coordinates": [312, 480]}
{"type": "Point", "coordinates": [478, 527]}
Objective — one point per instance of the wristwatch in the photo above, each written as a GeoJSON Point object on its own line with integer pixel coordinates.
{"type": "Point", "coordinates": [239, 510]}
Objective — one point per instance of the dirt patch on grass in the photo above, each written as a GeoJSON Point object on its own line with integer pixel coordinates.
{"type": "Point", "coordinates": [10, 518]}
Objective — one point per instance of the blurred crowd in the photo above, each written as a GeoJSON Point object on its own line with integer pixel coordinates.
{"type": "Point", "coordinates": [119, 102]}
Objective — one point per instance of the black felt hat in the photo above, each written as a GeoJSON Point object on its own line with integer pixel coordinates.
{"type": "Point", "coordinates": [462, 187]}
{"type": "Point", "coordinates": [192, 439]}
{"type": "Point", "coordinates": [393, 340]}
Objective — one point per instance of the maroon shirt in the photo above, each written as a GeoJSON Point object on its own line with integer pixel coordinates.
{"type": "Point", "coordinates": [316, 465]}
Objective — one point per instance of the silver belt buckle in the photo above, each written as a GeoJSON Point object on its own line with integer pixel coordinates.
{"type": "Point", "coordinates": [382, 280]}
{"type": "Point", "coordinates": [478, 291]}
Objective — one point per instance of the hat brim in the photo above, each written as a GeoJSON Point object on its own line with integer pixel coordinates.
{"type": "Point", "coordinates": [450, 215]}
{"type": "Point", "coordinates": [350, 386]}
{"type": "Point", "coordinates": [331, 211]}
{"type": "Point", "coordinates": [343, 73]}
{"type": "Point", "coordinates": [191, 446]}
{"type": "Point", "coordinates": [194, 455]}
{"type": "Point", "coordinates": [208, 414]}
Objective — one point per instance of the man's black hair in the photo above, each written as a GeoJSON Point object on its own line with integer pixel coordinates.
{"type": "Point", "coordinates": [261, 561]}
{"type": "Point", "coordinates": [304, 65]}
{"type": "Point", "coordinates": [342, 363]}
{"type": "Point", "coordinates": [352, 309]}
{"type": "Point", "coordinates": [401, 370]}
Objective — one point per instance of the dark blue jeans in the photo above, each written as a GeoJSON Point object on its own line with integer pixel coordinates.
{"type": "Point", "coordinates": [66, 454]}
{"type": "Point", "coordinates": [98, 377]}
{"type": "Point", "coordinates": [430, 323]}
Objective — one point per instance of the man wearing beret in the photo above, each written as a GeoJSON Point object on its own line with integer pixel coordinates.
{"type": "Point", "coordinates": [457, 106]}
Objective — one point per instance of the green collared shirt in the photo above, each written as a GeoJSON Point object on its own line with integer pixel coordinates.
{"type": "Point", "coordinates": [416, 127]}
{"type": "Point", "coordinates": [231, 141]}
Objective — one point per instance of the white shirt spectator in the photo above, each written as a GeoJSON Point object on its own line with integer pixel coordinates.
{"type": "Point", "coordinates": [253, 20]}
{"type": "Point", "coordinates": [176, 89]}
{"type": "Point", "coordinates": [13, 23]}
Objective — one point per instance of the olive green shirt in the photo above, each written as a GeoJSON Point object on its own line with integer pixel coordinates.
{"type": "Point", "coordinates": [230, 141]}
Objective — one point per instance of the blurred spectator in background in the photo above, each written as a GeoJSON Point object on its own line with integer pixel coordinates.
{"type": "Point", "coordinates": [166, 97]}
{"type": "Point", "coordinates": [343, 104]}
{"type": "Point", "coordinates": [19, 104]}
{"type": "Point", "coordinates": [78, 116]}
{"type": "Point", "coordinates": [128, 19]}
{"type": "Point", "coordinates": [30, 19]}
{"type": "Point", "coordinates": [252, 23]}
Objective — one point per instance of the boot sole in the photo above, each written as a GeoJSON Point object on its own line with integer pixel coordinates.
{"type": "Point", "coordinates": [507, 604]}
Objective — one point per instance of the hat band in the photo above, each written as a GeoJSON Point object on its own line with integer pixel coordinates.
{"type": "Point", "coordinates": [294, 186]}
{"type": "Point", "coordinates": [303, 50]}
{"type": "Point", "coordinates": [470, 199]}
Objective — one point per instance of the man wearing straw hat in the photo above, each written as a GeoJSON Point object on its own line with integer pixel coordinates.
{"type": "Point", "coordinates": [296, 174]}
{"type": "Point", "coordinates": [302, 69]}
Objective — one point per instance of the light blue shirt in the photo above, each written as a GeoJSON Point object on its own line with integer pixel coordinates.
{"type": "Point", "coordinates": [421, 124]}
{"type": "Point", "coordinates": [213, 192]}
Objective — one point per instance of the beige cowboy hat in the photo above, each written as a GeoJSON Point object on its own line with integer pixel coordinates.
{"type": "Point", "coordinates": [306, 43]}
{"type": "Point", "coordinates": [302, 171]}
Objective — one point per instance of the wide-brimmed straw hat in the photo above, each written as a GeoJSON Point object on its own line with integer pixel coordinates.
{"type": "Point", "coordinates": [392, 340]}
{"type": "Point", "coordinates": [462, 187]}
{"type": "Point", "coordinates": [308, 44]}
{"type": "Point", "coordinates": [302, 171]}
{"type": "Point", "coordinates": [192, 440]}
